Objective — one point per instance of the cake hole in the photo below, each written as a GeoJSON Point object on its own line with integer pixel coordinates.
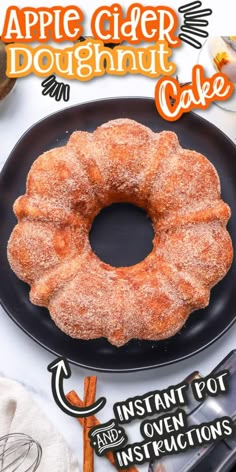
{"type": "Point", "coordinates": [122, 235]}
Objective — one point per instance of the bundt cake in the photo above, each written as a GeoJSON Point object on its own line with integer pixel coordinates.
{"type": "Point", "coordinates": [122, 161]}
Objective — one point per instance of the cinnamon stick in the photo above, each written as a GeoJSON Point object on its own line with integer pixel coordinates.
{"type": "Point", "coordinates": [90, 384]}
{"type": "Point", "coordinates": [74, 399]}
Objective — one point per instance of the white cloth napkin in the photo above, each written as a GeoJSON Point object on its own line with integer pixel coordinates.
{"type": "Point", "coordinates": [20, 414]}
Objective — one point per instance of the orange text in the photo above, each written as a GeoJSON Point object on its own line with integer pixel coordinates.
{"type": "Point", "coordinates": [150, 24]}
{"type": "Point", "coordinates": [42, 24]}
{"type": "Point", "coordinates": [172, 100]}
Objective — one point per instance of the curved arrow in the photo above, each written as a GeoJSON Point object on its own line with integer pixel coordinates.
{"type": "Point", "coordinates": [60, 370]}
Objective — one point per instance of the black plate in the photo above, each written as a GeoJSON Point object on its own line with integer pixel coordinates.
{"type": "Point", "coordinates": [203, 327]}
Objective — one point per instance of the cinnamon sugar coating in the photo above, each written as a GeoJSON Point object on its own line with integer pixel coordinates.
{"type": "Point", "coordinates": [122, 161]}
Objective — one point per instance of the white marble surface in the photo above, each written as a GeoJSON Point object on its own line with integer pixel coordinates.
{"type": "Point", "coordinates": [20, 357]}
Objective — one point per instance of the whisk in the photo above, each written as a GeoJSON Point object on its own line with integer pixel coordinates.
{"type": "Point", "coordinates": [19, 452]}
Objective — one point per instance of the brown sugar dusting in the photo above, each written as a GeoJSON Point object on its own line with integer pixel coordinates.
{"type": "Point", "coordinates": [122, 161]}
